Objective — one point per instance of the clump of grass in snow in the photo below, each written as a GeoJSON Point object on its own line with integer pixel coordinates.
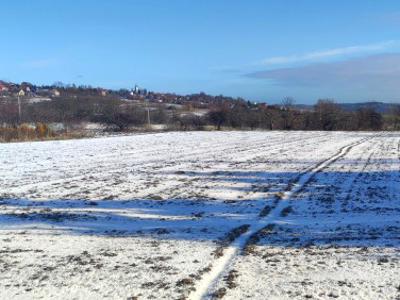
{"type": "Point", "coordinates": [229, 238]}
{"type": "Point", "coordinates": [286, 211]}
{"type": "Point", "coordinates": [255, 238]}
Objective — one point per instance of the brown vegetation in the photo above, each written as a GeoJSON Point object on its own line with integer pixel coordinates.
{"type": "Point", "coordinates": [120, 111]}
{"type": "Point", "coordinates": [38, 132]}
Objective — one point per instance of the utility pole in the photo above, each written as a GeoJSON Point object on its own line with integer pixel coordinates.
{"type": "Point", "coordinates": [148, 115]}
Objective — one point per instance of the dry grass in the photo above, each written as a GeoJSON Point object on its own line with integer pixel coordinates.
{"type": "Point", "coordinates": [39, 132]}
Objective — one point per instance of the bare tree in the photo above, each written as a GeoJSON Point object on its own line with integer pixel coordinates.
{"type": "Point", "coordinates": [394, 117]}
{"type": "Point", "coordinates": [287, 113]}
{"type": "Point", "coordinates": [369, 119]}
{"type": "Point", "coordinates": [328, 113]}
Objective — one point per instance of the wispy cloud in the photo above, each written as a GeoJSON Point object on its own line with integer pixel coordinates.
{"type": "Point", "coordinates": [40, 63]}
{"type": "Point", "coordinates": [372, 75]}
{"type": "Point", "coordinates": [330, 53]}
{"type": "Point", "coordinates": [392, 17]}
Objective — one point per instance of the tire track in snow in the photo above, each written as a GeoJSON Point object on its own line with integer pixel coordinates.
{"type": "Point", "coordinates": [353, 180]}
{"type": "Point", "coordinates": [221, 264]}
{"type": "Point", "coordinates": [201, 152]}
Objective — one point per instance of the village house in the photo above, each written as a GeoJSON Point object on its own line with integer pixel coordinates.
{"type": "Point", "coordinates": [55, 93]}
{"type": "Point", "coordinates": [3, 88]}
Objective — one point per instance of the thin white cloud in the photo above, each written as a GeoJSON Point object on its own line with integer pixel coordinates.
{"type": "Point", "coordinates": [377, 72]}
{"type": "Point", "coordinates": [371, 77]}
{"type": "Point", "coordinates": [330, 53]}
{"type": "Point", "coordinates": [391, 17]}
{"type": "Point", "coordinates": [40, 63]}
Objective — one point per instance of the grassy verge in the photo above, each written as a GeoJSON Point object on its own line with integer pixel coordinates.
{"type": "Point", "coordinates": [39, 132]}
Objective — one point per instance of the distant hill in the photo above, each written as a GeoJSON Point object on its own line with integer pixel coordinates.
{"type": "Point", "coordinates": [380, 107]}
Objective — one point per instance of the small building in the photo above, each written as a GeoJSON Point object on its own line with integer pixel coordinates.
{"type": "Point", "coordinates": [3, 88]}
{"type": "Point", "coordinates": [263, 105]}
{"type": "Point", "coordinates": [55, 93]}
{"type": "Point", "coordinates": [138, 91]}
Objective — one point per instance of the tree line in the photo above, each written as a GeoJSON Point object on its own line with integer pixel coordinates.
{"type": "Point", "coordinates": [326, 115]}
{"type": "Point", "coordinates": [121, 115]}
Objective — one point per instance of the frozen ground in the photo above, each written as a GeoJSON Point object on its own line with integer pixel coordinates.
{"type": "Point", "coordinates": [232, 215]}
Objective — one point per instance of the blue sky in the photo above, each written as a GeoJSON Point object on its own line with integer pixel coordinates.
{"type": "Point", "coordinates": [261, 50]}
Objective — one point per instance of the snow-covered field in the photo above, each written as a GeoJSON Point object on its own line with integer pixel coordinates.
{"type": "Point", "coordinates": [191, 215]}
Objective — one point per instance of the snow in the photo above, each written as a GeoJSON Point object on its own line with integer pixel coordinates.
{"type": "Point", "coordinates": [143, 216]}
{"type": "Point", "coordinates": [341, 238]}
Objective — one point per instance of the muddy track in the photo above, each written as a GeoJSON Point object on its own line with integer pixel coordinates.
{"type": "Point", "coordinates": [220, 266]}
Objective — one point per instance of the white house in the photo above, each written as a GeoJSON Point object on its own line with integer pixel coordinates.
{"type": "Point", "coordinates": [55, 93]}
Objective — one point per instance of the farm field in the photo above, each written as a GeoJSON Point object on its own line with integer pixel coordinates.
{"type": "Point", "coordinates": [201, 215]}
